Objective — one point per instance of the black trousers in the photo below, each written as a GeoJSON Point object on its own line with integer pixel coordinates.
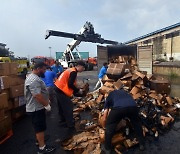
{"type": "Point", "coordinates": [115, 117]}
{"type": "Point", "coordinates": [65, 107]}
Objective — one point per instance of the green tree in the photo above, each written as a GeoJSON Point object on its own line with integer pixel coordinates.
{"type": "Point", "coordinates": [6, 53]}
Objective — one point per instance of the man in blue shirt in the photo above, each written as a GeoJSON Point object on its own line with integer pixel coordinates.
{"type": "Point", "coordinates": [49, 79]}
{"type": "Point", "coordinates": [119, 104]}
{"type": "Point", "coordinates": [102, 72]}
{"type": "Point", "coordinates": [57, 68]}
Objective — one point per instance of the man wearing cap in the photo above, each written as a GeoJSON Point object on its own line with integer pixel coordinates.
{"type": "Point", "coordinates": [37, 102]}
{"type": "Point", "coordinates": [65, 87]}
{"type": "Point", "coordinates": [122, 105]}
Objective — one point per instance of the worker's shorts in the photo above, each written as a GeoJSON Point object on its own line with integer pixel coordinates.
{"type": "Point", "coordinates": [38, 120]}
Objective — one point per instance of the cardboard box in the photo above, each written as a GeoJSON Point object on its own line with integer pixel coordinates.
{"type": "Point", "coordinates": [118, 138]}
{"type": "Point", "coordinates": [13, 67]}
{"type": "Point", "coordinates": [135, 90]}
{"type": "Point", "coordinates": [129, 143]}
{"type": "Point", "coordinates": [118, 84]}
{"type": "Point", "coordinates": [4, 69]}
{"type": "Point", "coordinates": [105, 78]}
{"type": "Point", "coordinates": [2, 114]}
{"type": "Point", "coordinates": [141, 75]}
{"type": "Point", "coordinates": [166, 120]}
{"type": "Point", "coordinates": [127, 76]}
{"type": "Point", "coordinates": [4, 101]}
{"type": "Point", "coordinates": [169, 100]}
{"type": "Point", "coordinates": [133, 61]}
{"type": "Point", "coordinates": [160, 86]}
{"type": "Point", "coordinates": [108, 84]}
{"type": "Point", "coordinates": [105, 89]}
{"type": "Point", "coordinates": [4, 82]}
{"type": "Point", "coordinates": [99, 99]}
{"type": "Point", "coordinates": [127, 83]}
{"type": "Point", "coordinates": [5, 125]}
{"type": "Point", "coordinates": [153, 95]}
{"type": "Point", "coordinates": [16, 91]}
{"type": "Point", "coordinates": [16, 80]}
{"type": "Point", "coordinates": [101, 135]}
{"type": "Point", "coordinates": [7, 91]}
{"type": "Point", "coordinates": [115, 70]}
{"type": "Point", "coordinates": [134, 77]}
{"type": "Point", "coordinates": [10, 105]}
{"type": "Point", "coordinates": [122, 59]}
{"type": "Point", "coordinates": [15, 102]}
{"type": "Point", "coordinates": [136, 96]}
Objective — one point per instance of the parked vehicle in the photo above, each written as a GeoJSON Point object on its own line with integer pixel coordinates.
{"type": "Point", "coordinates": [47, 60]}
{"type": "Point", "coordinates": [23, 63]}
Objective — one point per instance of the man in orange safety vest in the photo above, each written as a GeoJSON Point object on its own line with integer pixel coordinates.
{"type": "Point", "coordinates": [65, 87]}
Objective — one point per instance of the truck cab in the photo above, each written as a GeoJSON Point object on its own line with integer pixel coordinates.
{"type": "Point", "coordinates": [47, 60]}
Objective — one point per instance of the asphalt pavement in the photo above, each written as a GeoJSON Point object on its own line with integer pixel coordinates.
{"type": "Point", "coordinates": [23, 139]}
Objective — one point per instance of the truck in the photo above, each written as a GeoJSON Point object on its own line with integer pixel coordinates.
{"type": "Point", "coordinates": [86, 34]}
{"type": "Point", "coordinates": [47, 60]}
{"type": "Point", "coordinates": [23, 63]}
{"type": "Point", "coordinates": [84, 55]}
{"type": "Point", "coordinates": [90, 61]}
{"type": "Point", "coordinates": [142, 54]}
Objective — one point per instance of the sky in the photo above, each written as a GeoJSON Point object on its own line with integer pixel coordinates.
{"type": "Point", "coordinates": [23, 23]}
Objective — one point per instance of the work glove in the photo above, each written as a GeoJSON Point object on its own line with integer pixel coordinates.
{"type": "Point", "coordinates": [81, 91]}
{"type": "Point", "coordinates": [48, 108]}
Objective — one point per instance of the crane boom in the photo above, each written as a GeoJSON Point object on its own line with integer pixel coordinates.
{"type": "Point", "coordinates": [86, 34]}
{"type": "Point", "coordinates": [94, 38]}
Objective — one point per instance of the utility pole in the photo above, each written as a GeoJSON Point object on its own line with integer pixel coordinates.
{"type": "Point", "coordinates": [50, 51]}
{"type": "Point", "coordinates": [28, 57]}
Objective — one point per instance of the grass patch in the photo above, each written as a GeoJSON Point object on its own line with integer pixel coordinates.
{"type": "Point", "coordinates": [173, 76]}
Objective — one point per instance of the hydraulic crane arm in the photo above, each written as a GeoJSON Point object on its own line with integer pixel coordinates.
{"type": "Point", "coordinates": [87, 35]}
{"type": "Point", "coordinates": [57, 33]}
{"type": "Point", "coordinates": [94, 38]}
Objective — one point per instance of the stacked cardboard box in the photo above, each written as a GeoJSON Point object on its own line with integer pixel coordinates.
{"type": "Point", "coordinates": [157, 110]}
{"type": "Point", "coordinates": [5, 117]}
{"type": "Point", "coordinates": [4, 69]}
{"type": "Point", "coordinates": [11, 95]}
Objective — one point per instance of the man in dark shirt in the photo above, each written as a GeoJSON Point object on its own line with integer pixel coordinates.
{"type": "Point", "coordinates": [122, 105]}
{"type": "Point", "coordinates": [65, 87]}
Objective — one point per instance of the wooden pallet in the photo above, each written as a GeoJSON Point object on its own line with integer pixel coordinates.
{"type": "Point", "coordinates": [7, 136]}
